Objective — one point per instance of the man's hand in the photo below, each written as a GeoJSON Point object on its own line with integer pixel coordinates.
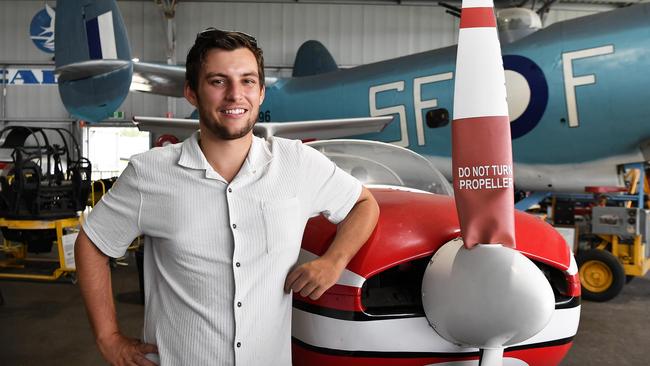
{"type": "Point", "coordinates": [313, 278]}
{"type": "Point", "coordinates": [119, 350]}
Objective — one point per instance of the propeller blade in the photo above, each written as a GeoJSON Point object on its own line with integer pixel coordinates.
{"type": "Point", "coordinates": [479, 292]}
{"type": "Point", "coordinates": [481, 145]}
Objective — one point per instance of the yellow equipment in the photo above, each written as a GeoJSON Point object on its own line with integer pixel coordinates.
{"type": "Point", "coordinates": [17, 264]}
{"type": "Point", "coordinates": [618, 249]}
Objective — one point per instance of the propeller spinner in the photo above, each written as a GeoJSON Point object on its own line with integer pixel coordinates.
{"type": "Point", "coordinates": [479, 292]}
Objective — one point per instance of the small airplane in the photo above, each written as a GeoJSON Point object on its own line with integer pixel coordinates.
{"type": "Point", "coordinates": [577, 92]}
{"type": "Point", "coordinates": [441, 281]}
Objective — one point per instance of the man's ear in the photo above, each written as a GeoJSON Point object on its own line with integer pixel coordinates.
{"type": "Point", "coordinates": [190, 94]}
{"type": "Point", "coordinates": [262, 94]}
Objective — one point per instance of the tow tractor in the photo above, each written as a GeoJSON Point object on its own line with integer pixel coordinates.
{"type": "Point", "coordinates": [612, 225]}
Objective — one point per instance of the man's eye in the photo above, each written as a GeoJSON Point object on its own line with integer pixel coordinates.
{"type": "Point", "coordinates": [217, 82]}
{"type": "Point", "coordinates": [249, 81]}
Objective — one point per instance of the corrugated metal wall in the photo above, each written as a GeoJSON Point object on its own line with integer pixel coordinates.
{"type": "Point", "coordinates": [355, 34]}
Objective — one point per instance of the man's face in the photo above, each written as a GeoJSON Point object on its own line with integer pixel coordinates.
{"type": "Point", "coordinates": [228, 94]}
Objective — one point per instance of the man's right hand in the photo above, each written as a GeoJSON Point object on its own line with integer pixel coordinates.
{"type": "Point", "coordinates": [119, 350]}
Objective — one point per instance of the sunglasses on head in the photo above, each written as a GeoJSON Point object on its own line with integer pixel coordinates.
{"type": "Point", "coordinates": [214, 33]}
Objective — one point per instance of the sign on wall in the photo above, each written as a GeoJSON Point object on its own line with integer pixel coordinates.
{"type": "Point", "coordinates": [25, 76]}
{"type": "Point", "coordinates": [41, 29]}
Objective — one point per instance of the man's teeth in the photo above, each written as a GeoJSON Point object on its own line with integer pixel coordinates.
{"type": "Point", "coordinates": [235, 111]}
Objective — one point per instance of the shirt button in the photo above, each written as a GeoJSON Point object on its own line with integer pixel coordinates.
{"type": "Point", "coordinates": [238, 344]}
{"type": "Point", "coordinates": [234, 226]}
{"type": "Point", "coordinates": [239, 304]}
{"type": "Point", "coordinates": [237, 264]}
{"type": "Point", "coordinates": [229, 190]}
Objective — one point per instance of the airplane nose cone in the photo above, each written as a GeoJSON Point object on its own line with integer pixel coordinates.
{"type": "Point", "coordinates": [487, 297]}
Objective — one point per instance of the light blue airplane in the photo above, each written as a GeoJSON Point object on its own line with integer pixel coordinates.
{"type": "Point", "coordinates": [578, 90]}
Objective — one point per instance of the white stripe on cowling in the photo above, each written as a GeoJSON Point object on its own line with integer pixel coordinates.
{"type": "Point", "coordinates": [415, 334]}
{"type": "Point", "coordinates": [348, 278]}
{"type": "Point", "coordinates": [507, 361]}
{"type": "Point", "coordinates": [107, 36]}
{"type": "Point", "coordinates": [477, 3]}
{"type": "Point", "coordinates": [480, 88]}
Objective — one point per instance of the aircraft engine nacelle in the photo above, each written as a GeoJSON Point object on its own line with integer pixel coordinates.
{"type": "Point", "coordinates": [374, 314]}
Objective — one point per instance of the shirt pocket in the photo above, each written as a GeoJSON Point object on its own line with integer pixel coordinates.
{"type": "Point", "coordinates": [282, 224]}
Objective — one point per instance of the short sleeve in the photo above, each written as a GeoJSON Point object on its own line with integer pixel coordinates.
{"type": "Point", "coordinates": [114, 223]}
{"type": "Point", "coordinates": [330, 190]}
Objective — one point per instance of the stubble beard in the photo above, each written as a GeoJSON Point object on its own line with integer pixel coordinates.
{"type": "Point", "coordinates": [222, 132]}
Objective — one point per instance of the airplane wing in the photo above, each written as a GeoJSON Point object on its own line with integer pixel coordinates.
{"type": "Point", "coordinates": [161, 79]}
{"type": "Point", "coordinates": [90, 68]}
{"type": "Point", "coordinates": [158, 78]}
{"type": "Point", "coordinates": [317, 129]}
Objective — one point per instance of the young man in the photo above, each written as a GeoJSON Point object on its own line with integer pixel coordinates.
{"type": "Point", "coordinates": [223, 215]}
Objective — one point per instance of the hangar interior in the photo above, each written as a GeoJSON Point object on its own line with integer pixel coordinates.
{"type": "Point", "coordinates": [356, 32]}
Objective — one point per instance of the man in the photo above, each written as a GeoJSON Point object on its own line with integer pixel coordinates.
{"type": "Point", "coordinates": [223, 215]}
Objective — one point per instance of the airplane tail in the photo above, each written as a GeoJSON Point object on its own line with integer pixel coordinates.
{"type": "Point", "coordinates": [93, 59]}
{"type": "Point", "coordinates": [313, 59]}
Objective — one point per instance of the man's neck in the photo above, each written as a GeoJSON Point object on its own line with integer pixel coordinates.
{"type": "Point", "coordinates": [225, 156]}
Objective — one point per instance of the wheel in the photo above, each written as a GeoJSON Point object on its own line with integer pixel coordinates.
{"type": "Point", "coordinates": [601, 275]}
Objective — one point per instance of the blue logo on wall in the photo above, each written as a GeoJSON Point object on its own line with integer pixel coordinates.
{"type": "Point", "coordinates": [41, 30]}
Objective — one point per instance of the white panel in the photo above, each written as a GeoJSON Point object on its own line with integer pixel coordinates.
{"type": "Point", "coordinates": [477, 3]}
{"type": "Point", "coordinates": [34, 102]}
{"type": "Point", "coordinates": [482, 82]}
{"type": "Point", "coordinates": [107, 36]}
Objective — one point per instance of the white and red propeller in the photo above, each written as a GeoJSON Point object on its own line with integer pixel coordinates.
{"type": "Point", "coordinates": [479, 292]}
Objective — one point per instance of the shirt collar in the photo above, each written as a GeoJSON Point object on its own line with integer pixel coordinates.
{"type": "Point", "coordinates": [258, 156]}
{"type": "Point", "coordinates": [192, 157]}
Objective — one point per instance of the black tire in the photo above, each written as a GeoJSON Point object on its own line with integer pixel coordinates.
{"type": "Point", "coordinates": [601, 275]}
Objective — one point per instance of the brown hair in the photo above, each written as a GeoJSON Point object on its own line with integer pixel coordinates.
{"type": "Point", "coordinates": [212, 38]}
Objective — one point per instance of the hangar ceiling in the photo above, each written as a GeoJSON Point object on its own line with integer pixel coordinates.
{"type": "Point", "coordinates": [499, 3]}
{"type": "Point", "coordinates": [540, 6]}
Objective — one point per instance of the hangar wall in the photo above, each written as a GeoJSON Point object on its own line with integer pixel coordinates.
{"type": "Point", "coordinates": [355, 34]}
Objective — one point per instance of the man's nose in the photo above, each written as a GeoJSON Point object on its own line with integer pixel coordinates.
{"type": "Point", "coordinates": [234, 91]}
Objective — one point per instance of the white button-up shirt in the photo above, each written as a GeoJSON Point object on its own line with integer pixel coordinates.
{"type": "Point", "coordinates": [217, 253]}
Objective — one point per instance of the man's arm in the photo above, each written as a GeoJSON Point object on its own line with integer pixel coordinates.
{"type": "Point", "coordinates": [94, 277]}
{"type": "Point", "coordinates": [315, 277]}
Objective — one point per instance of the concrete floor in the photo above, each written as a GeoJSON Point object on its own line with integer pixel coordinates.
{"type": "Point", "coordinates": [45, 324]}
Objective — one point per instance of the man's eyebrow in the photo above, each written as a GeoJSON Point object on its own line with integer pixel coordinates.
{"type": "Point", "coordinates": [215, 74]}
{"type": "Point", "coordinates": [219, 74]}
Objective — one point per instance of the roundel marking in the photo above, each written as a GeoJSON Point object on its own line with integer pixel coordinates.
{"type": "Point", "coordinates": [527, 92]}
{"type": "Point", "coordinates": [41, 29]}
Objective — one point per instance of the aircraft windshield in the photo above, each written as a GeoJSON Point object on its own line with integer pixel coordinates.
{"type": "Point", "coordinates": [381, 164]}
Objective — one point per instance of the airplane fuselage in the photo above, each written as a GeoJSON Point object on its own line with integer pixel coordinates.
{"type": "Point", "coordinates": [577, 90]}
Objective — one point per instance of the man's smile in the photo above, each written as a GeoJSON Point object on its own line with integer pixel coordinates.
{"type": "Point", "coordinates": [234, 111]}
